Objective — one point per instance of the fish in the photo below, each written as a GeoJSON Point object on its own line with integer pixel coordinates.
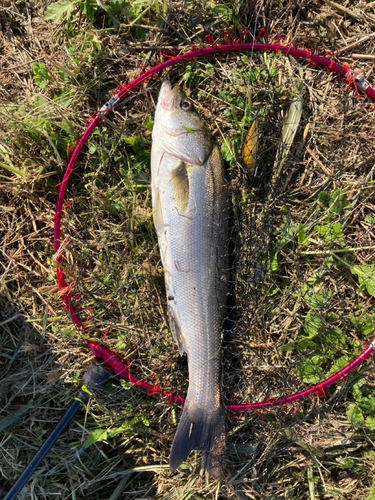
{"type": "Point", "coordinates": [189, 199]}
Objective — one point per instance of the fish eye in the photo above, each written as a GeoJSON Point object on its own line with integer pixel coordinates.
{"type": "Point", "coordinates": [186, 105]}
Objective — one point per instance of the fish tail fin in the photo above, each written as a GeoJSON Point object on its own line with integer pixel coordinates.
{"type": "Point", "coordinates": [199, 429]}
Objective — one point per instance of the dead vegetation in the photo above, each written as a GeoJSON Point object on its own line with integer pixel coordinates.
{"type": "Point", "coordinates": [301, 309]}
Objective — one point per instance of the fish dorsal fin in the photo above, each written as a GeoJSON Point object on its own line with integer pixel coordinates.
{"type": "Point", "coordinates": [180, 187]}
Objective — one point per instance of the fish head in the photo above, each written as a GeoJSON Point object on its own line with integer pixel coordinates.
{"type": "Point", "coordinates": [178, 128]}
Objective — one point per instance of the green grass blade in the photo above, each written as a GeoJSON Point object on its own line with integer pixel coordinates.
{"type": "Point", "coordinates": [12, 418]}
{"type": "Point", "coordinates": [15, 170]}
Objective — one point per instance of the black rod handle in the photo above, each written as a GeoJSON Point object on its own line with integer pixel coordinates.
{"type": "Point", "coordinates": [96, 375]}
{"type": "Point", "coordinates": [46, 446]}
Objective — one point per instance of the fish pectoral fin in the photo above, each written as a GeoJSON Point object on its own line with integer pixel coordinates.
{"type": "Point", "coordinates": [176, 330]}
{"type": "Point", "coordinates": [180, 187]}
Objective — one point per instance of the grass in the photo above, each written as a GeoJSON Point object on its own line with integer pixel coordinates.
{"type": "Point", "coordinates": [303, 224]}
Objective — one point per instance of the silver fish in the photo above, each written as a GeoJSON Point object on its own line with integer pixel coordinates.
{"type": "Point", "coordinates": [189, 195]}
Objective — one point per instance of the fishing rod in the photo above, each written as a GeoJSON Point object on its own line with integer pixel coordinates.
{"type": "Point", "coordinates": [96, 375]}
{"type": "Point", "coordinates": [111, 359]}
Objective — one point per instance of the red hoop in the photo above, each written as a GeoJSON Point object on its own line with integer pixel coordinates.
{"type": "Point", "coordinates": [111, 358]}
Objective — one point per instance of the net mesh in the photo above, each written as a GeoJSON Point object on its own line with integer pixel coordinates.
{"type": "Point", "coordinates": [300, 301]}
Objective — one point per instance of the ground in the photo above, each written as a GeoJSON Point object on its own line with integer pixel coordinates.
{"type": "Point", "coordinates": [301, 304]}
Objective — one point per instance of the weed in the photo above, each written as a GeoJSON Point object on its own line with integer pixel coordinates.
{"type": "Point", "coordinates": [41, 75]}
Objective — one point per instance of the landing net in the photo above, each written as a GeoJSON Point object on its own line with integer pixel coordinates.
{"type": "Point", "coordinates": [300, 310]}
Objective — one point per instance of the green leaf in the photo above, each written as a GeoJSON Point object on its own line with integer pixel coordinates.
{"type": "Point", "coordinates": [188, 73]}
{"type": "Point", "coordinates": [226, 150]}
{"type": "Point", "coordinates": [370, 219]}
{"type": "Point", "coordinates": [92, 148]}
{"type": "Point", "coordinates": [321, 229]}
{"type": "Point", "coordinates": [300, 345]}
{"type": "Point", "coordinates": [348, 464]}
{"type": "Point", "coordinates": [107, 9]}
{"type": "Point", "coordinates": [117, 6]}
{"type": "Point", "coordinates": [133, 140]}
{"type": "Point", "coordinates": [89, 7]}
{"type": "Point", "coordinates": [139, 33]}
{"type": "Point", "coordinates": [339, 201]}
{"type": "Point", "coordinates": [310, 370]}
{"type": "Point", "coordinates": [272, 291]}
{"type": "Point", "coordinates": [328, 262]}
{"type": "Point", "coordinates": [149, 122]}
{"type": "Point", "coordinates": [331, 232]}
{"type": "Point", "coordinates": [40, 82]}
{"type": "Point", "coordinates": [312, 324]}
{"type": "Point", "coordinates": [55, 11]}
{"type": "Point", "coordinates": [97, 435]}
{"type": "Point", "coordinates": [274, 266]}
{"type": "Point", "coordinates": [126, 385]}
{"type": "Point", "coordinates": [357, 393]}
{"type": "Point", "coordinates": [335, 232]}
{"type": "Point", "coordinates": [41, 75]}
{"type": "Point", "coordinates": [219, 9]}
{"type": "Point", "coordinates": [290, 232]}
{"type": "Point", "coordinates": [323, 195]}
{"type": "Point", "coordinates": [302, 236]}
{"type": "Point", "coordinates": [117, 430]}
{"type": "Point", "coordinates": [66, 125]}
{"type": "Point", "coordinates": [315, 299]}
{"type": "Point", "coordinates": [370, 423]}
{"type": "Point", "coordinates": [366, 277]}
{"type": "Point", "coordinates": [368, 403]}
{"type": "Point", "coordinates": [364, 324]}
{"type": "Point", "coordinates": [337, 365]}
{"type": "Point", "coordinates": [354, 414]}
{"type": "Point", "coordinates": [188, 129]}
{"type": "Point", "coordinates": [372, 493]}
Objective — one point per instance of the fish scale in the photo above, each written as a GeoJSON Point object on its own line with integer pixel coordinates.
{"type": "Point", "coordinates": [194, 294]}
{"type": "Point", "coordinates": [190, 216]}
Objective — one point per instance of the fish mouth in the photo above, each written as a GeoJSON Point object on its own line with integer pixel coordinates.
{"type": "Point", "coordinates": [167, 95]}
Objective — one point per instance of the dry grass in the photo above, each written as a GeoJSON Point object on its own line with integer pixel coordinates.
{"type": "Point", "coordinates": [289, 278]}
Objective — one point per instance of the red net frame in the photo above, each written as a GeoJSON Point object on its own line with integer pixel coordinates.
{"type": "Point", "coordinates": [110, 358]}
